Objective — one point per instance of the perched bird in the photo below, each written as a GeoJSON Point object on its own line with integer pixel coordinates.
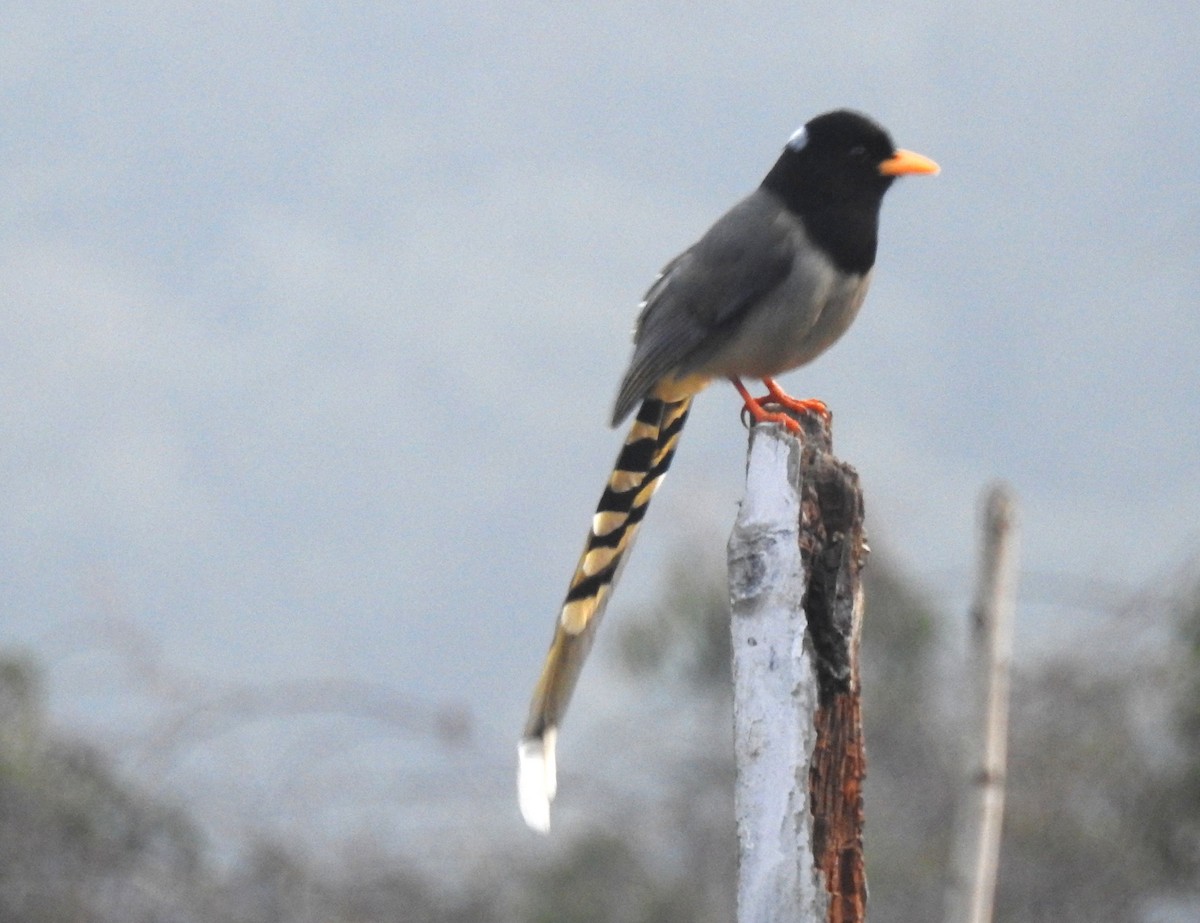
{"type": "Point", "coordinates": [768, 288]}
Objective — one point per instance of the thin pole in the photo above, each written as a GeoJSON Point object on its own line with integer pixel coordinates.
{"type": "Point", "coordinates": [975, 859]}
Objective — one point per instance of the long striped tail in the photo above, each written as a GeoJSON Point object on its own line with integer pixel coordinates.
{"type": "Point", "coordinates": [644, 459]}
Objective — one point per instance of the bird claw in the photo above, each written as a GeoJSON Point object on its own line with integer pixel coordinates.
{"type": "Point", "coordinates": [776, 395]}
{"type": "Point", "coordinates": [759, 415]}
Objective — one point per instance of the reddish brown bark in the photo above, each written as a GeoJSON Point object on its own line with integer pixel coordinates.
{"type": "Point", "coordinates": [835, 786]}
{"type": "Point", "coordinates": [835, 548]}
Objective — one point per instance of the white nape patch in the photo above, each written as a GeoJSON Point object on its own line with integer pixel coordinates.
{"type": "Point", "coordinates": [537, 779]}
{"type": "Point", "coordinates": [798, 139]}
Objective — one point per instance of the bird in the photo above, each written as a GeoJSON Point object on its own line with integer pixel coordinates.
{"type": "Point", "coordinates": [768, 288]}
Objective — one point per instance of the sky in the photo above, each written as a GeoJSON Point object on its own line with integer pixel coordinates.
{"type": "Point", "coordinates": [315, 313]}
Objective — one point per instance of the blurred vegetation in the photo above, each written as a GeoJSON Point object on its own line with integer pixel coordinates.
{"type": "Point", "coordinates": [1102, 820]}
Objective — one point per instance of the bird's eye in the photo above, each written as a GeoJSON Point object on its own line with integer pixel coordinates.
{"type": "Point", "coordinates": [858, 152]}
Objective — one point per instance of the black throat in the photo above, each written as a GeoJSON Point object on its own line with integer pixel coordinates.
{"type": "Point", "coordinates": [840, 212]}
{"type": "Point", "coordinates": [848, 235]}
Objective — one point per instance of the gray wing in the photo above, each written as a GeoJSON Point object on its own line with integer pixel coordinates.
{"type": "Point", "coordinates": [705, 292]}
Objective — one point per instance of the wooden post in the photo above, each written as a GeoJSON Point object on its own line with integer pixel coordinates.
{"type": "Point", "coordinates": [975, 854]}
{"type": "Point", "coordinates": [795, 558]}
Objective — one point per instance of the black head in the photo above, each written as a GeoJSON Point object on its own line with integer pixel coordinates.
{"type": "Point", "coordinates": [833, 174]}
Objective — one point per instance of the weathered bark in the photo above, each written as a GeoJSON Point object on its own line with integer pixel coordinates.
{"type": "Point", "coordinates": [795, 559]}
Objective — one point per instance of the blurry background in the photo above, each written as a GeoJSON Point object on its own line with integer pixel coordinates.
{"type": "Point", "coordinates": [313, 317]}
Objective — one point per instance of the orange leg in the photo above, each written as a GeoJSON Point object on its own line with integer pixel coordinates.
{"type": "Point", "coordinates": [755, 408]}
{"type": "Point", "coordinates": [783, 399]}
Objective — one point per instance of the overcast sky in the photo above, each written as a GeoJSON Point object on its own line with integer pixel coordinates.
{"type": "Point", "coordinates": [315, 311]}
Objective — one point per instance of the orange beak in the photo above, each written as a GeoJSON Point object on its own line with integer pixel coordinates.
{"type": "Point", "coordinates": [903, 162]}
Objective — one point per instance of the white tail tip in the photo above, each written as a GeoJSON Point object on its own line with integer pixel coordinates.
{"type": "Point", "coordinates": [536, 779]}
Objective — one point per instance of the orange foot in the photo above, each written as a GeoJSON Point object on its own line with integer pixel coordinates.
{"type": "Point", "coordinates": [776, 395]}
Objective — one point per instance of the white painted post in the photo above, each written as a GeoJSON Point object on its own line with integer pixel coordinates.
{"type": "Point", "coordinates": [795, 558]}
{"type": "Point", "coordinates": [775, 690]}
